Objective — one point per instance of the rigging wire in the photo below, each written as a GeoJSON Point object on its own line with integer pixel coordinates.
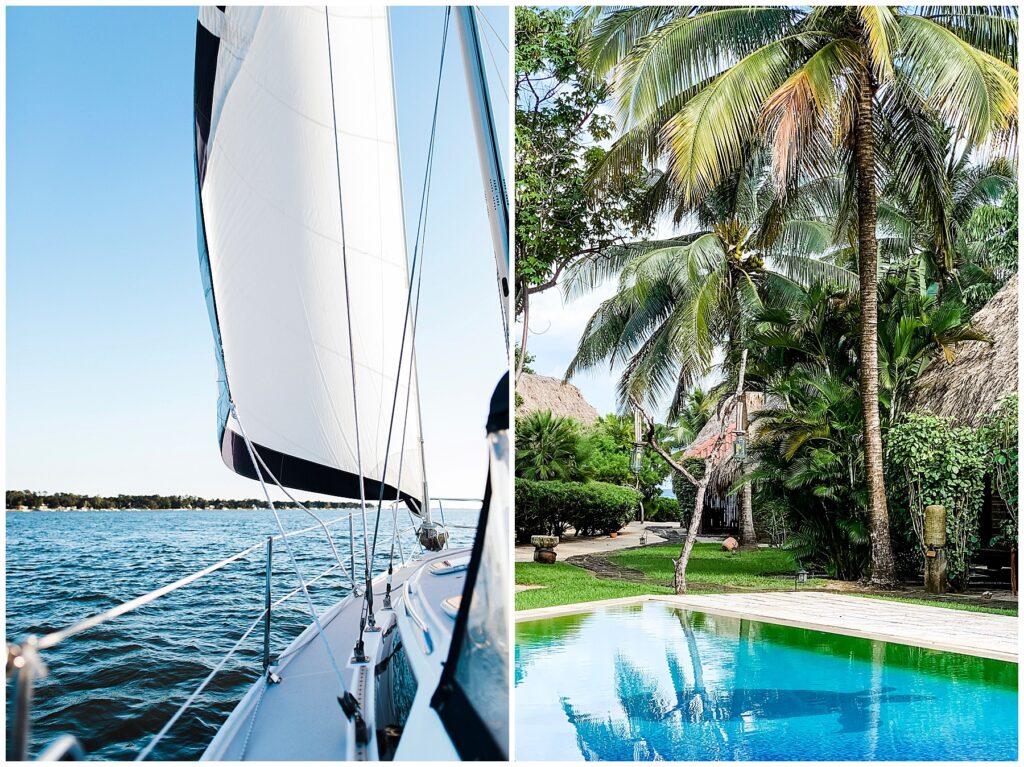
{"type": "Point", "coordinates": [490, 52]}
{"type": "Point", "coordinates": [417, 282]}
{"type": "Point", "coordinates": [291, 556]}
{"type": "Point", "coordinates": [480, 13]}
{"type": "Point", "coordinates": [330, 538]}
{"type": "Point", "coordinates": [405, 424]}
{"type": "Point", "coordinates": [351, 342]}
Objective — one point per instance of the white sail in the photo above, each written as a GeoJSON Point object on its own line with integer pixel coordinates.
{"type": "Point", "coordinates": [286, 201]}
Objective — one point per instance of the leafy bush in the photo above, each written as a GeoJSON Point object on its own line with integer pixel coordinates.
{"type": "Point", "coordinates": [999, 432]}
{"type": "Point", "coordinates": [591, 508]}
{"type": "Point", "coordinates": [606, 449]}
{"type": "Point", "coordinates": [548, 447]}
{"type": "Point", "coordinates": [661, 509]}
{"type": "Point", "coordinates": [934, 462]}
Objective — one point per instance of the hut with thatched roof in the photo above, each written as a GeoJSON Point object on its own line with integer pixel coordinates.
{"type": "Point", "coordinates": [716, 444]}
{"type": "Point", "coordinates": [967, 389]}
{"type": "Point", "coordinates": [562, 399]}
{"type": "Point", "coordinates": [981, 374]}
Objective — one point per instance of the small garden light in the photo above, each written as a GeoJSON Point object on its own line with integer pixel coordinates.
{"type": "Point", "coordinates": [801, 576]}
{"type": "Point", "coordinates": [636, 459]}
{"type": "Point", "coordinates": [740, 447]}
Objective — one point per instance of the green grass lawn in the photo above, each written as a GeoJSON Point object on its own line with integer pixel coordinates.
{"type": "Point", "coordinates": [712, 567]}
{"type": "Point", "coordinates": [710, 570]}
{"type": "Point", "coordinates": [566, 584]}
{"type": "Point", "coordinates": [969, 607]}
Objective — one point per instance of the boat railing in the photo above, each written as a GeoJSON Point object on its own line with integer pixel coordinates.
{"type": "Point", "coordinates": [25, 665]}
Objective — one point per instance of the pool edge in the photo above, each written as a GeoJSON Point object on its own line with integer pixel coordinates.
{"type": "Point", "coordinates": [698, 604]}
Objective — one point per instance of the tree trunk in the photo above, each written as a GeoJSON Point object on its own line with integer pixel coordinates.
{"type": "Point", "coordinates": [748, 536]}
{"type": "Point", "coordinates": [691, 535]}
{"type": "Point", "coordinates": [521, 362]}
{"type": "Point", "coordinates": [883, 570]}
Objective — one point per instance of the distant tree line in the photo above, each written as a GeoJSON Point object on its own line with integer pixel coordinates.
{"type": "Point", "coordinates": [32, 500]}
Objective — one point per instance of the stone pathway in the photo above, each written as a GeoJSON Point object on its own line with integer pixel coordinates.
{"type": "Point", "coordinates": [628, 537]}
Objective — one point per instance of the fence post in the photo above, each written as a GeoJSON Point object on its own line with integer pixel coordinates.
{"type": "Point", "coordinates": [266, 617]}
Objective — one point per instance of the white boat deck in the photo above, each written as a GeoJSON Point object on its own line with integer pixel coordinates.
{"type": "Point", "coordinates": [936, 628]}
{"type": "Point", "coordinates": [300, 719]}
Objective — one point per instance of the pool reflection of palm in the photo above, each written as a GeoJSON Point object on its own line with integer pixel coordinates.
{"type": "Point", "coordinates": [690, 726]}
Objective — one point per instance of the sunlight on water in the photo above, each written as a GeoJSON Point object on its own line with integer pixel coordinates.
{"type": "Point", "coordinates": [653, 682]}
{"type": "Point", "coordinates": [114, 686]}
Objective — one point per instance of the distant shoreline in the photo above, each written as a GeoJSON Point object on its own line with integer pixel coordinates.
{"type": "Point", "coordinates": [212, 508]}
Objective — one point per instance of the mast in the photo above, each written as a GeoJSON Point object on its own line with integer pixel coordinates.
{"type": "Point", "coordinates": [495, 192]}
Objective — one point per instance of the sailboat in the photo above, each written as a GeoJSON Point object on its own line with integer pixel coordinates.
{"type": "Point", "coordinates": [313, 303]}
{"type": "Point", "coordinates": [307, 279]}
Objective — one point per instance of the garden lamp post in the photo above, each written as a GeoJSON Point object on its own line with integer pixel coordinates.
{"type": "Point", "coordinates": [636, 458]}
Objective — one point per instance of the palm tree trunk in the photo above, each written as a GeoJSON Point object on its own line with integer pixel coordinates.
{"type": "Point", "coordinates": [748, 536]}
{"type": "Point", "coordinates": [691, 535]}
{"type": "Point", "coordinates": [883, 570]}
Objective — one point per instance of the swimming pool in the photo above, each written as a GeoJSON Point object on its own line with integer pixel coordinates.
{"type": "Point", "coordinates": [652, 681]}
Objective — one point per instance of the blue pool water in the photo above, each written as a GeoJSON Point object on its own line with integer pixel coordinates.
{"type": "Point", "coordinates": [652, 682]}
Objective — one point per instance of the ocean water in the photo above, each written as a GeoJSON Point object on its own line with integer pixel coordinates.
{"type": "Point", "coordinates": [652, 682]}
{"type": "Point", "coordinates": [116, 685]}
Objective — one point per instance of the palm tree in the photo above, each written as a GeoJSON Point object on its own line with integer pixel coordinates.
{"type": "Point", "coordinates": [679, 301]}
{"type": "Point", "coordinates": [547, 447]}
{"type": "Point", "coordinates": [697, 87]}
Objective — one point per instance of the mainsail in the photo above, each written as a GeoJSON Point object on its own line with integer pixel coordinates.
{"type": "Point", "coordinates": [298, 181]}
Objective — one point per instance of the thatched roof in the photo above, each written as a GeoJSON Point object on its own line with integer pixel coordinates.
{"type": "Point", "coordinates": [717, 439]}
{"type": "Point", "coordinates": [562, 399]}
{"type": "Point", "coordinates": [981, 373]}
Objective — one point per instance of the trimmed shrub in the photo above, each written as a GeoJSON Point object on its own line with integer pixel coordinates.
{"type": "Point", "coordinates": [591, 508]}
{"type": "Point", "coordinates": [661, 509]}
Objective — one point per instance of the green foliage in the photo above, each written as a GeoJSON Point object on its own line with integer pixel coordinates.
{"type": "Point", "coordinates": [548, 447]}
{"type": "Point", "coordinates": [933, 462]}
{"type": "Point", "coordinates": [987, 251]}
{"type": "Point", "coordinates": [608, 445]}
{"type": "Point", "coordinates": [685, 491]}
{"type": "Point", "coordinates": [591, 508]}
{"type": "Point", "coordinates": [526, 363]}
{"type": "Point", "coordinates": [559, 129]}
{"type": "Point", "coordinates": [661, 509]}
{"type": "Point", "coordinates": [999, 433]}
{"type": "Point", "coordinates": [771, 521]}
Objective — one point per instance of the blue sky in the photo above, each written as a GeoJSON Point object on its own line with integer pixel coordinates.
{"type": "Point", "coordinates": [111, 379]}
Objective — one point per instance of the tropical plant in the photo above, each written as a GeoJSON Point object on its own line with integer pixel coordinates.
{"type": "Point", "coordinates": [676, 304]}
{"type": "Point", "coordinates": [1000, 434]}
{"type": "Point", "coordinates": [935, 462]}
{"type": "Point", "coordinates": [548, 447]}
{"type": "Point", "coordinates": [698, 87]}
{"type": "Point", "coordinates": [912, 327]}
{"type": "Point", "coordinates": [606, 448]}
{"type": "Point", "coordinates": [559, 130]}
